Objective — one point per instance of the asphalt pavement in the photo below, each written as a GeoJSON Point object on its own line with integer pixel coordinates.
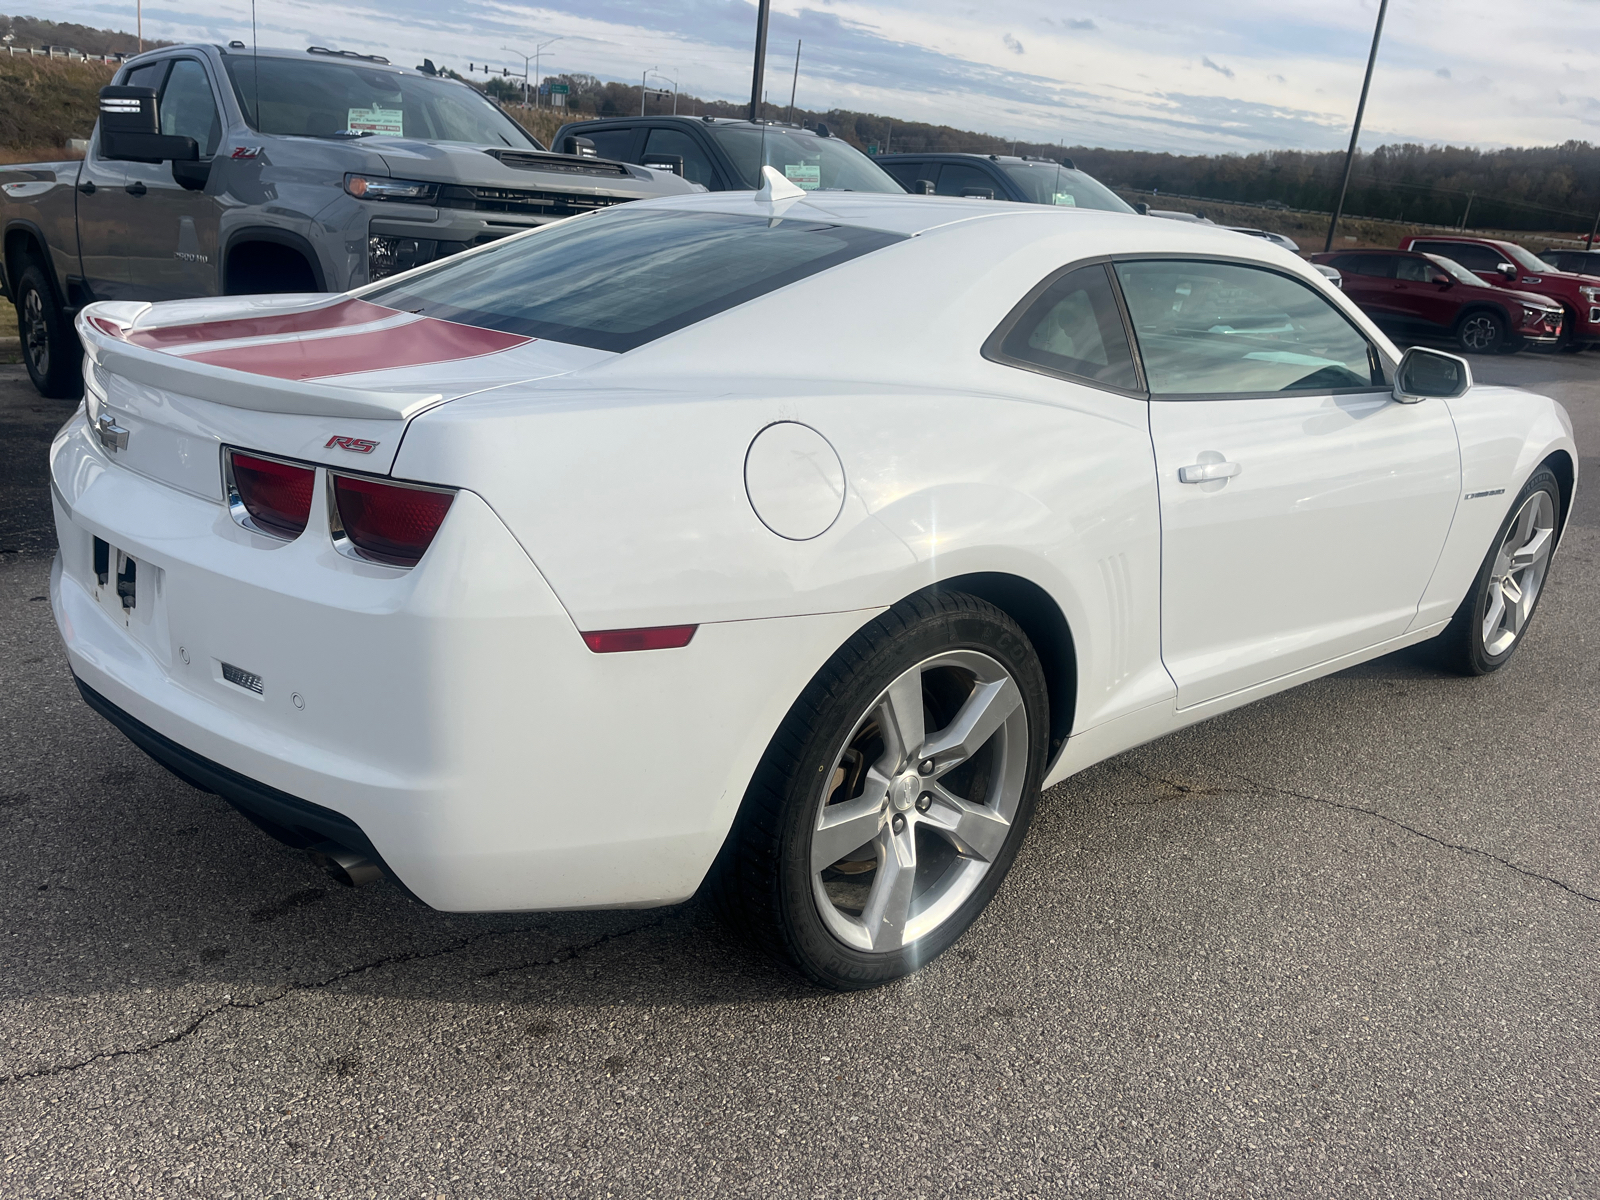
{"type": "Point", "coordinates": [1342, 942]}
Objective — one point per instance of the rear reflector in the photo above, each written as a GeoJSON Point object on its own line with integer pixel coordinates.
{"type": "Point", "coordinates": [276, 495]}
{"type": "Point", "coordinates": [661, 637]}
{"type": "Point", "coordinates": [389, 522]}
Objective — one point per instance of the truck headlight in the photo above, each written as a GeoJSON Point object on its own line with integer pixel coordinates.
{"type": "Point", "coordinates": [1591, 294]}
{"type": "Point", "coordinates": [381, 187]}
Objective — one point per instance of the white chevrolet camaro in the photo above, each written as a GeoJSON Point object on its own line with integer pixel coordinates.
{"type": "Point", "coordinates": [784, 543]}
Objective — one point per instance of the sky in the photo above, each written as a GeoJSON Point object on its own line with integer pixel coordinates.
{"type": "Point", "coordinates": [1187, 76]}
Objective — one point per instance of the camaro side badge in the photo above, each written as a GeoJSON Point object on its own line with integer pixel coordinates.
{"type": "Point", "coordinates": [1490, 492]}
{"type": "Point", "coordinates": [354, 445]}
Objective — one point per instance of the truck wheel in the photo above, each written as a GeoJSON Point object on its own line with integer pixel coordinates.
{"type": "Point", "coordinates": [50, 347]}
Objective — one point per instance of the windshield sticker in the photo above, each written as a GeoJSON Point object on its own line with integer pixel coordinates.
{"type": "Point", "coordinates": [376, 120]}
{"type": "Point", "coordinates": [805, 175]}
{"type": "Point", "coordinates": [1067, 199]}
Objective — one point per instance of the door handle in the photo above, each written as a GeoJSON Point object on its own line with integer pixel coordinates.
{"type": "Point", "coordinates": [135, 188]}
{"type": "Point", "coordinates": [1204, 472]}
{"type": "Point", "coordinates": [87, 187]}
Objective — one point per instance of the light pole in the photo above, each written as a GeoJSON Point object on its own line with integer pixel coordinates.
{"type": "Point", "coordinates": [673, 82]}
{"type": "Point", "coordinates": [1361, 107]}
{"type": "Point", "coordinates": [795, 84]}
{"type": "Point", "coordinates": [534, 59]}
{"type": "Point", "coordinates": [763, 15]}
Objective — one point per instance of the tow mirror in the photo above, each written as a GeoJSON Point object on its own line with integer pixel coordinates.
{"type": "Point", "coordinates": [664, 162]}
{"type": "Point", "coordinates": [1430, 374]}
{"type": "Point", "coordinates": [579, 147]}
{"type": "Point", "coordinates": [1506, 270]}
{"type": "Point", "coordinates": [192, 176]}
{"type": "Point", "coordinates": [978, 193]}
{"type": "Point", "coordinates": [130, 130]}
{"type": "Point", "coordinates": [922, 187]}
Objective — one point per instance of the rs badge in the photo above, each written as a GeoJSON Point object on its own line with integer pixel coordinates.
{"type": "Point", "coordinates": [354, 445]}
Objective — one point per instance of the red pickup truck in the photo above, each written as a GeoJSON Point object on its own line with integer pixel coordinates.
{"type": "Point", "coordinates": [1508, 265]}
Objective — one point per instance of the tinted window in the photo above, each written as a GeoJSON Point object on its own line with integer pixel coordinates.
{"type": "Point", "coordinates": [1473, 258]}
{"type": "Point", "coordinates": [1051, 183]}
{"type": "Point", "coordinates": [1364, 264]}
{"type": "Point", "coordinates": [956, 179]}
{"type": "Point", "coordinates": [696, 163]}
{"type": "Point", "coordinates": [1074, 327]}
{"type": "Point", "coordinates": [809, 161]}
{"type": "Point", "coordinates": [318, 98]}
{"type": "Point", "coordinates": [909, 173]}
{"type": "Point", "coordinates": [627, 276]}
{"type": "Point", "coordinates": [1217, 328]}
{"type": "Point", "coordinates": [187, 107]}
{"type": "Point", "coordinates": [149, 75]}
{"type": "Point", "coordinates": [616, 144]}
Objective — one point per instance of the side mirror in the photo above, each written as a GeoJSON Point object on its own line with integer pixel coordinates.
{"type": "Point", "coordinates": [922, 187]}
{"type": "Point", "coordinates": [1142, 209]}
{"type": "Point", "coordinates": [1442, 278]}
{"type": "Point", "coordinates": [664, 162]}
{"type": "Point", "coordinates": [978, 193]}
{"type": "Point", "coordinates": [1507, 271]}
{"type": "Point", "coordinates": [579, 147]}
{"type": "Point", "coordinates": [130, 130]}
{"type": "Point", "coordinates": [1425, 374]}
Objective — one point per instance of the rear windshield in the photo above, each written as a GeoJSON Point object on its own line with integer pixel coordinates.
{"type": "Point", "coordinates": [625, 277]}
{"type": "Point", "coordinates": [1051, 183]}
{"type": "Point", "coordinates": [330, 98]}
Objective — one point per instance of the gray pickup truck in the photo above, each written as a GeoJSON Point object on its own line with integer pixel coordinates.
{"type": "Point", "coordinates": [214, 170]}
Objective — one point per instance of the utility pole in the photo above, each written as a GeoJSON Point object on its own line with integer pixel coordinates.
{"type": "Point", "coordinates": [1468, 210]}
{"type": "Point", "coordinates": [1355, 133]}
{"type": "Point", "coordinates": [642, 78]}
{"type": "Point", "coordinates": [139, 7]}
{"type": "Point", "coordinates": [794, 86]}
{"type": "Point", "coordinates": [763, 15]}
{"type": "Point", "coordinates": [1594, 230]}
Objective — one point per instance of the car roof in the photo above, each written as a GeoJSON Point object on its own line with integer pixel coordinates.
{"type": "Point", "coordinates": [959, 155]}
{"type": "Point", "coordinates": [911, 216]}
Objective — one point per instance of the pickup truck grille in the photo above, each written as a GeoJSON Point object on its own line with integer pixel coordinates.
{"type": "Point", "coordinates": [522, 201]}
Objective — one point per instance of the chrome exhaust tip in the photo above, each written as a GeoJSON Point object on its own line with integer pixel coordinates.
{"type": "Point", "coordinates": [346, 866]}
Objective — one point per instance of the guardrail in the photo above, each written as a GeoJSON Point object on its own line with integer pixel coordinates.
{"type": "Point", "coordinates": [61, 52]}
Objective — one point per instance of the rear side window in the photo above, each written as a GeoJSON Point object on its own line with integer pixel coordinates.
{"type": "Point", "coordinates": [1210, 329]}
{"type": "Point", "coordinates": [1072, 328]}
{"type": "Point", "coordinates": [628, 276]}
{"type": "Point", "coordinates": [1364, 264]}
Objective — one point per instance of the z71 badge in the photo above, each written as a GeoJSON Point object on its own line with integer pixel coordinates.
{"type": "Point", "coordinates": [354, 445]}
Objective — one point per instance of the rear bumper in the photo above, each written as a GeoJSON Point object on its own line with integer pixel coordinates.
{"type": "Point", "coordinates": [254, 799]}
{"type": "Point", "coordinates": [449, 720]}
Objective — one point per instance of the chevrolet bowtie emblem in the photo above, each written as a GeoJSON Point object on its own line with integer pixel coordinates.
{"type": "Point", "coordinates": [112, 436]}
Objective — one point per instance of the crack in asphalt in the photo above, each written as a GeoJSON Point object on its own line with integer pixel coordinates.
{"type": "Point", "coordinates": [565, 954]}
{"type": "Point", "coordinates": [1267, 789]}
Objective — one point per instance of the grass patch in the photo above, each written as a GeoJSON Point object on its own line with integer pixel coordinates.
{"type": "Point", "coordinates": [45, 101]}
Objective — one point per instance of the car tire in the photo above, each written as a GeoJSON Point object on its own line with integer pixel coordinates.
{"type": "Point", "coordinates": [50, 347]}
{"type": "Point", "coordinates": [1569, 342]}
{"type": "Point", "coordinates": [1493, 618]}
{"type": "Point", "coordinates": [940, 821]}
{"type": "Point", "coordinates": [1481, 332]}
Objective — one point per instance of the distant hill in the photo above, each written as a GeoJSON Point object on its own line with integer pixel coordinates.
{"type": "Point", "coordinates": [44, 101]}
{"type": "Point", "coordinates": [35, 32]}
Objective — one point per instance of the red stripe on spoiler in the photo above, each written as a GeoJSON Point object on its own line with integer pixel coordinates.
{"type": "Point", "coordinates": [329, 316]}
{"type": "Point", "coordinates": [427, 340]}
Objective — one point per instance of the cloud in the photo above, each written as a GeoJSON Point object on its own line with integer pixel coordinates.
{"type": "Point", "coordinates": [1206, 62]}
{"type": "Point", "coordinates": [1443, 72]}
{"type": "Point", "coordinates": [1085, 23]}
{"type": "Point", "coordinates": [1013, 45]}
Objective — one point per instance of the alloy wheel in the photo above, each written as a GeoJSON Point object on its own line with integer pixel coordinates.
{"type": "Point", "coordinates": [920, 801]}
{"type": "Point", "coordinates": [1479, 332]}
{"type": "Point", "coordinates": [35, 333]}
{"type": "Point", "coordinates": [1518, 573]}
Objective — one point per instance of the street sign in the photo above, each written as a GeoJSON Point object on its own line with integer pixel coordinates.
{"type": "Point", "coordinates": [559, 89]}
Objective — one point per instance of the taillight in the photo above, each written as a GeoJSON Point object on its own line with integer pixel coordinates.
{"type": "Point", "coordinates": [388, 522]}
{"type": "Point", "coordinates": [272, 496]}
{"type": "Point", "coordinates": [659, 637]}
